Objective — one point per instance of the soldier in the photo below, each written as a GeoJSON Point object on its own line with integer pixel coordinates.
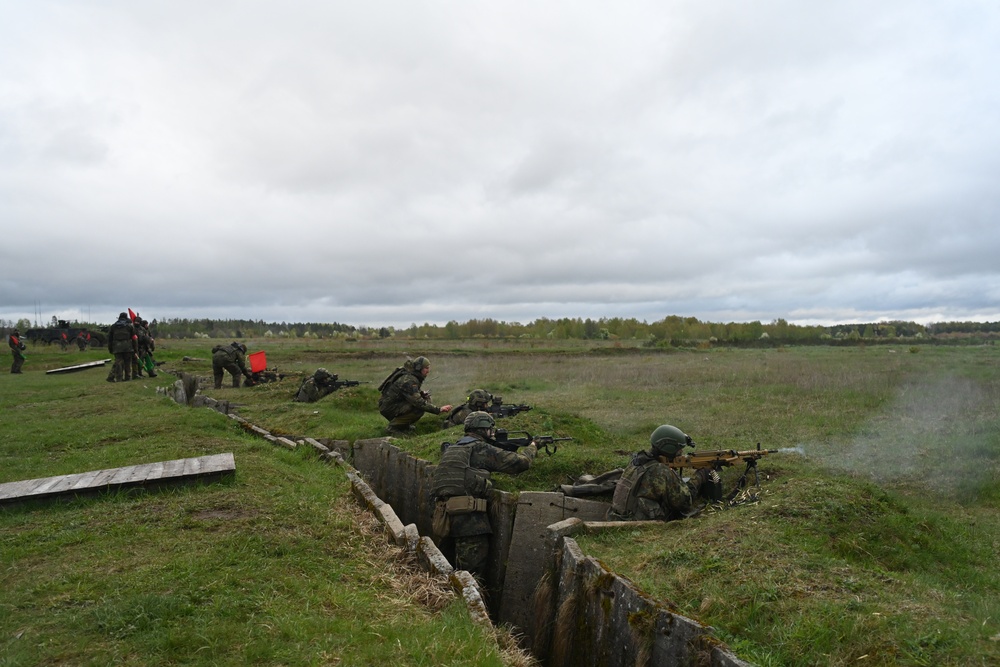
{"type": "Point", "coordinates": [232, 358]}
{"type": "Point", "coordinates": [403, 402]}
{"type": "Point", "coordinates": [16, 347]}
{"type": "Point", "coordinates": [316, 386]}
{"type": "Point", "coordinates": [478, 400]}
{"type": "Point", "coordinates": [460, 486]}
{"type": "Point", "coordinates": [649, 489]}
{"type": "Point", "coordinates": [82, 340]}
{"type": "Point", "coordinates": [122, 343]}
{"type": "Point", "coordinates": [146, 347]}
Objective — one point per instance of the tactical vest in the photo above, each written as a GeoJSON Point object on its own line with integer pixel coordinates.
{"type": "Point", "coordinates": [119, 332]}
{"type": "Point", "coordinates": [391, 378]}
{"type": "Point", "coordinates": [455, 475]}
{"type": "Point", "coordinates": [624, 501]}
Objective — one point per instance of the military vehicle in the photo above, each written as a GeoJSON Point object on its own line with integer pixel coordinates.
{"type": "Point", "coordinates": [65, 334]}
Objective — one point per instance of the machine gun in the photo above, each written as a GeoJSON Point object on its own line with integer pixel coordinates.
{"type": "Point", "coordinates": [717, 459]}
{"type": "Point", "coordinates": [498, 409]}
{"type": "Point", "coordinates": [504, 441]}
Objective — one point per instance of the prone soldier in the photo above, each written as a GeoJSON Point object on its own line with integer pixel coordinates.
{"type": "Point", "coordinates": [650, 489]}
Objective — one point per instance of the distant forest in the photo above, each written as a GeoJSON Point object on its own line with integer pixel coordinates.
{"type": "Point", "coordinates": [672, 331]}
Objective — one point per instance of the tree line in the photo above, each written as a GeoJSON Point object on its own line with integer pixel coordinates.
{"type": "Point", "coordinates": [672, 330]}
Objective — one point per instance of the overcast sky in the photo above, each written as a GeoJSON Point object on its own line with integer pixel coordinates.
{"type": "Point", "coordinates": [389, 162]}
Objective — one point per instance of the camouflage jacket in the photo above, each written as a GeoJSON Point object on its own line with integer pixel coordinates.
{"type": "Point", "coordinates": [402, 395]}
{"type": "Point", "coordinates": [225, 355]}
{"type": "Point", "coordinates": [457, 416]}
{"type": "Point", "coordinates": [465, 469]}
{"type": "Point", "coordinates": [122, 338]}
{"type": "Point", "coordinates": [312, 389]}
{"type": "Point", "coordinates": [651, 490]}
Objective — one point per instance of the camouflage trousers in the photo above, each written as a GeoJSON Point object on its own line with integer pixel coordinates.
{"type": "Point", "coordinates": [471, 553]}
{"type": "Point", "coordinates": [122, 370]}
{"type": "Point", "coordinates": [218, 371]}
{"type": "Point", "coordinates": [15, 367]}
{"type": "Point", "coordinates": [406, 419]}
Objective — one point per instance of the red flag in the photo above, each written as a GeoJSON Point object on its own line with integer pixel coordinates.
{"type": "Point", "coordinates": [131, 315]}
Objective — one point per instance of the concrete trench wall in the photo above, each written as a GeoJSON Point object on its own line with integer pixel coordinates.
{"type": "Point", "coordinates": [571, 610]}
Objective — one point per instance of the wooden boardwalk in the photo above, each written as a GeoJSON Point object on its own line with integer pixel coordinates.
{"type": "Point", "coordinates": [147, 475]}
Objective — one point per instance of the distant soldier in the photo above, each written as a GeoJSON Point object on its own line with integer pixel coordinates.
{"type": "Point", "coordinates": [478, 399]}
{"type": "Point", "coordinates": [232, 358]}
{"type": "Point", "coordinates": [82, 340]}
{"type": "Point", "coordinates": [146, 348]}
{"type": "Point", "coordinates": [649, 489]}
{"type": "Point", "coordinates": [460, 486]}
{"type": "Point", "coordinates": [316, 386]}
{"type": "Point", "coordinates": [17, 346]}
{"type": "Point", "coordinates": [403, 402]}
{"type": "Point", "coordinates": [122, 343]}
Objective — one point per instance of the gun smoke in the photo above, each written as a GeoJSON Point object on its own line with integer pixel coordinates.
{"type": "Point", "coordinates": [936, 433]}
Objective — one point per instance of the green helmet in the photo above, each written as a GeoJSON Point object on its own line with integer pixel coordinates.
{"type": "Point", "coordinates": [668, 440]}
{"type": "Point", "coordinates": [479, 420]}
{"type": "Point", "coordinates": [420, 363]}
{"type": "Point", "coordinates": [479, 397]}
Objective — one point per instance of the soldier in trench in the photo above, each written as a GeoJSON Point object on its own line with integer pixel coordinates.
{"type": "Point", "coordinates": [460, 486]}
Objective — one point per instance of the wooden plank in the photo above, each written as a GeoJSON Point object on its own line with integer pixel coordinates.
{"type": "Point", "coordinates": [78, 367]}
{"type": "Point", "coordinates": [147, 474]}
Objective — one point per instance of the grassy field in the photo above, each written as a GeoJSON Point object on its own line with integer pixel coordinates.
{"type": "Point", "coordinates": [276, 567]}
{"type": "Point", "coordinates": [873, 539]}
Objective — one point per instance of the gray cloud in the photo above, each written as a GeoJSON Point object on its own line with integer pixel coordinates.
{"type": "Point", "coordinates": [392, 162]}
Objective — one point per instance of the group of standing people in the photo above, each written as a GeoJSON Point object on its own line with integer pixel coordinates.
{"type": "Point", "coordinates": [132, 345]}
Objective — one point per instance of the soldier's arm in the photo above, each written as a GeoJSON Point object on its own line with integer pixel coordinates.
{"type": "Point", "coordinates": [500, 460]}
{"type": "Point", "coordinates": [410, 391]}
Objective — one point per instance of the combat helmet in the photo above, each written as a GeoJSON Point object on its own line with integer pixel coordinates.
{"type": "Point", "coordinates": [420, 363]}
{"type": "Point", "coordinates": [668, 440]}
{"type": "Point", "coordinates": [479, 397]}
{"type": "Point", "coordinates": [479, 420]}
{"type": "Point", "coordinates": [323, 375]}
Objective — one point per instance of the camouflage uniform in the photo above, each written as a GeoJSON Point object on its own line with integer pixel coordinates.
{"type": "Point", "coordinates": [82, 340]}
{"type": "Point", "coordinates": [146, 347]}
{"type": "Point", "coordinates": [651, 490]}
{"type": "Point", "coordinates": [123, 344]}
{"type": "Point", "coordinates": [478, 400]}
{"type": "Point", "coordinates": [16, 345]}
{"type": "Point", "coordinates": [464, 472]}
{"type": "Point", "coordinates": [316, 386]}
{"type": "Point", "coordinates": [402, 402]}
{"type": "Point", "coordinates": [230, 358]}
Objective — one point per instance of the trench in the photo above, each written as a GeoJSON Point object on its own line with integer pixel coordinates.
{"type": "Point", "coordinates": [567, 608]}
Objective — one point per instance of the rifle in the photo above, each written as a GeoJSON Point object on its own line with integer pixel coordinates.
{"type": "Point", "coordinates": [504, 441]}
{"type": "Point", "coordinates": [498, 409]}
{"type": "Point", "coordinates": [721, 458]}
{"type": "Point", "coordinates": [266, 375]}
{"type": "Point", "coordinates": [337, 384]}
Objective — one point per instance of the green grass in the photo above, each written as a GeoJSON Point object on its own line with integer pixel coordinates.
{"type": "Point", "coordinates": [276, 566]}
{"type": "Point", "coordinates": [874, 540]}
